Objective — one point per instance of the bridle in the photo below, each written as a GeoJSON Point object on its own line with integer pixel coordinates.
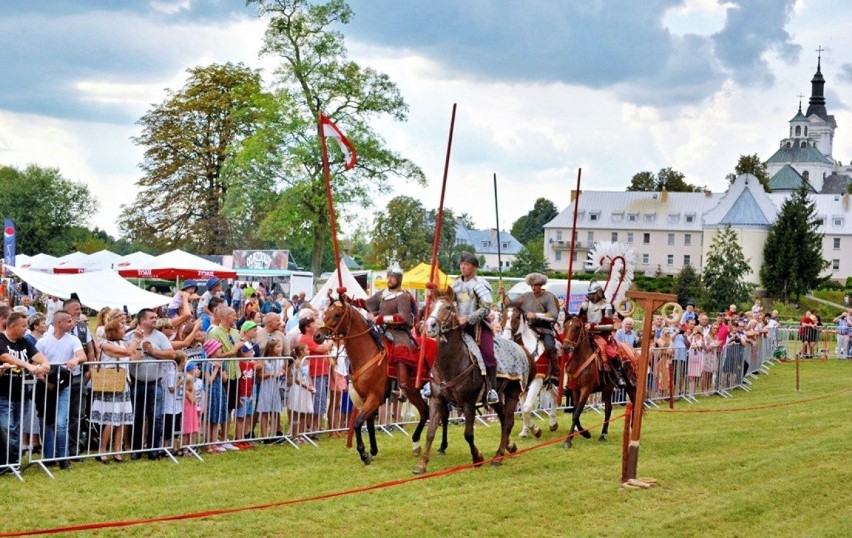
{"type": "Point", "coordinates": [573, 342]}
{"type": "Point", "coordinates": [447, 321]}
{"type": "Point", "coordinates": [512, 312]}
{"type": "Point", "coordinates": [335, 333]}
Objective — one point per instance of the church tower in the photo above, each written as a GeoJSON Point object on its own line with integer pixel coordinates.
{"type": "Point", "coordinates": [822, 124]}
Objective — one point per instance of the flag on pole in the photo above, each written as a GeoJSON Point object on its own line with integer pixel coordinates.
{"type": "Point", "coordinates": [329, 129]}
{"type": "Point", "coordinates": [8, 242]}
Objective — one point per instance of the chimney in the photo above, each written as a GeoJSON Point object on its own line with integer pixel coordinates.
{"type": "Point", "coordinates": [708, 193]}
{"type": "Point", "coordinates": [664, 196]}
{"type": "Point", "coordinates": [846, 201]}
{"type": "Point", "coordinates": [574, 194]}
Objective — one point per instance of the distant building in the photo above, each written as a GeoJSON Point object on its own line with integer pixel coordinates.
{"type": "Point", "coordinates": [486, 243]}
{"type": "Point", "coordinates": [670, 230]}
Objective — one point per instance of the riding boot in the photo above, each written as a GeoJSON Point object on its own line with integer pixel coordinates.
{"type": "Point", "coordinates": [553, 374]}
{"type": "Point", "coordinates": [491, 381]}
{"type": "Point", "coordinates": [618, 372]}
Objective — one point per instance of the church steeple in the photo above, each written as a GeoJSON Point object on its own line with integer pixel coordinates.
{"type": "Point", "coordinates": [817, 100]}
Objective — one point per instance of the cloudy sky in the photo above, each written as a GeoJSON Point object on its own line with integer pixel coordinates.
{"type": "Point", "coordinates": [543, 87]}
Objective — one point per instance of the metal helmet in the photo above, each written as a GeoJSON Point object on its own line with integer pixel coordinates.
{"type": "Point", "coordinates": [594, 289]}
{"type": "Point", "coordinates": [395, 269]}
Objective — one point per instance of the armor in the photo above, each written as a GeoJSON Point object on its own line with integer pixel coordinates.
{"type": "Point", "coordinates": [392, 311]}
{"type": "Point", "coordinates": [473, 298]}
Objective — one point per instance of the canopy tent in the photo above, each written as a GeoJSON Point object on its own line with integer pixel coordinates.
{"type": "Point", "coordinates": [100, 260]}
{"type": "Point", "coordinates": [136, 260]}
{"type": "Point", "coordinates": [353, 289]}
{"type": "Point", "coordinates": [71, 263]}
{"type": "Point", "coordinates": [416, 278]}
{"type": "Point", "coordinates": [177, 264]}
{"type": "Point", "coordinates": [96, 289]}
{"type": "Point", "coordinates": [39, 262]}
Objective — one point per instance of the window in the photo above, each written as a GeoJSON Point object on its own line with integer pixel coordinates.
{"type": "Point", "coordinates": [590, 237]}
{"type": "Point", "coordinates": [687, 239]}
{"type": "Point", "coordinates": [632, 217]}
{"type": "Point", "coordinates": [558, 255]}
{"type": "Point", "coordinates": [618, 216]}
{"type": "Point", "coordinates": [670, 259]}
{"type": "Point", "coordinates": [835, 265]}
{"type": "Point", "coordinates": [646, 259]}
{"type": "Point", "coordinates": [687, 260]}
{"type": "Point", "coordinates": [837, 221]}
{"type": "Point", "coordinates": [614, 237]}
{"type": "Point", "coordinates": [690, 217]}
{"type": "Point", "coordinates": [629, 238]}
{"type": "Point", "coordinates": [646, 238]}
{"type": "Point", "coordinates": [836, 243]}
{"type": "Point", "coordinates": [671, 239]}
{"type": "Point", "coordinates": [505, 244]}
{"type": "Point", "coordinates": [594, 216]}
{"type": "Point", "coordinates": [806, 130]}
{"type": "Point", "coordinates": [650, 217]}
{"type": "Point", "coordinates": [798, 130]}
{"type": "Point", "coordinates": [575, 256]}
{"type": "Point", "coordinates": [559, 235]}
{"type": "Point", "coordinates": [486, 243]}
{"type": "Point", "coordinates": [674, 217]}
{"type": "Point", "coordinates": [803, 145]}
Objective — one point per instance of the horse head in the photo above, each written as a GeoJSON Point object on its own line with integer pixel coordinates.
{"type": "Point", "coordinates": [443, 315]}
{"type": "Point", "coordinates": [574, 331]}
{"type": "Point", "coordinates": [333, 320]}
{"type": "Point", "coordinates": [511, 320]}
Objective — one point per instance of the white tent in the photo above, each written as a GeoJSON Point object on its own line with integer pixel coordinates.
{"type": "Point", "coordinates": [96, 289]}
{"type": "Point", "coordinates": [39, 262]}
{"type": "Point", "coordinates": [136, 260]}
{"type": "Point", "coordinates": [100, 260]}
{"type": "Point", "coordinates": [353, 289]}
{"type": "Point", "coordinates": [178, 264]}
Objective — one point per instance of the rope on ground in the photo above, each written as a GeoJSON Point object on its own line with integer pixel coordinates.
{"type": "Point", "coordinates": [755, 407]}
{"type": "Point", "coordinates": [324, 496]}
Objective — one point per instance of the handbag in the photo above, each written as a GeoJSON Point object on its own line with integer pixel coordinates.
{"type": "Point", "coordinates": [105, 379]}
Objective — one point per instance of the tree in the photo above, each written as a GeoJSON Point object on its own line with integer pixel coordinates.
{"type": "Point", "coordinates": [687, 286]}
{"type": "Point", "coordinates": [792, 254]}
{"type": "Point", "coordinates": [531, 258]}
{"type": "Point", "coordinates": [189, 138]}
{"type": "Point", "coordinates": [725, 271]}
{"type": "Point", "coordinates": [45, 207]}
{"type": "Point", "coordinates": [314, 69]}
{"type": "Point", "coordinates": [531, 225]}
{"type": "Point", "coordinates": [666, 179]}
{"type": "Point", "coordinates": [447, 243]}
{"type": "Point", "coordinates": [400, 233]}
{"type": "Point", "coordinates": [751, 164]}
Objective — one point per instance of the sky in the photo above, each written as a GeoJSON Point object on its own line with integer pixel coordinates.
{"type": "Point", "coordinates": [542, 88]}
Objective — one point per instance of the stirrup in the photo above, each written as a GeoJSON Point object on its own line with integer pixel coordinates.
{"type": "Point", "coordinates": [491, 397]}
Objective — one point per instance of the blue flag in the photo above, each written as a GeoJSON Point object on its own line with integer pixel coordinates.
{"type": "Point", "coordinates": [8, 242]}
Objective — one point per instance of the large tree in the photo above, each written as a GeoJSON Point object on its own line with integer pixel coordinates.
{"type": "Point", "coordinates": [530, 259]}
{"type": "Point", "coordinates": [666, 178]}
{"type": "Point", "coordinates": [48, 210]}
{"type": "Point", "coordinates": [401, 233]}
{"type": "Point", "coordinates": [189, 139]}
{"type": "Point", "coordinates": [725, 271]}
{"type": "Point", "coordinates": [530, 226]}
{"type": "Point", "coordinates": [751, 164]}
{"type": "Point", "coordinates": [687, 286]}
{"type": "Point", "coordinates": [314, 69]}
{"type": "Point", "coordinates": [792, 254]}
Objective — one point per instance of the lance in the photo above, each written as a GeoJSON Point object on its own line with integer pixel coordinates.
{"type": "Point", "coordinates": [431, 285]}
{"type": "Point", "coordinates": [499, 252]}
{"type": "Point", "coordinates": [327, 174]}
{"type": "Point", "coordinates": [570, 272]}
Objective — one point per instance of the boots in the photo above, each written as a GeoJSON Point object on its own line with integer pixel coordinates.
{"type": "Point", "coordinates": [554, 374]}
{"type": "Point", "coordinates": [491, 382]}
{"type": "Point", "coordinates": [618, 372]}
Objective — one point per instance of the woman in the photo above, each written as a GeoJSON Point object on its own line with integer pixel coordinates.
{"type": "Point", "coordinates": [712, 345]}
{"type": "Point", "coordinates": [808, 334]}
{"type": "Point", "coordinates": [37, 327]}
{"type": "Point", "coordinates": [114, 410]}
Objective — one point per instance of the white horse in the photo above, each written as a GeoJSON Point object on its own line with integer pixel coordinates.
{"type": "Point", "coordinates": [515, 327]}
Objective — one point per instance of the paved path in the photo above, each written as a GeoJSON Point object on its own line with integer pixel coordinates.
{"type": "Point", "coordinates": [829, 303]}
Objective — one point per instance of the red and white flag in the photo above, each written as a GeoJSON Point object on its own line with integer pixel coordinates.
{"type": "Point", "coordinates": [329, 129]}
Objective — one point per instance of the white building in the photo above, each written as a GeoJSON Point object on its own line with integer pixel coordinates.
{"type": "Point", "coordinates": [486, 244]}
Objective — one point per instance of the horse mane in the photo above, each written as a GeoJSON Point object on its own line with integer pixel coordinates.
{"type": "Point", "coordinates": [444, 293]}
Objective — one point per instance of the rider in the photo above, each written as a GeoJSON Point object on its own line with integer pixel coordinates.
{"type": "Point", "coordinates": [541, 309]}
{"type": "Point", "coordinates": [598, 314]}
{"type": "Point", "coordinates": [473, 299]}
{"type": "Point", "coordinates": [393, 311]}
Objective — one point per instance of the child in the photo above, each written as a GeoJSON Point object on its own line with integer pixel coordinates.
{"type": "Point", "coordinates": [301, 394]}
{"type": "Point", "coordinates": [173, 401]}
{"type": "Point", "coordinates": [190, 411]}
{"type": "Point", "coordinates": [695, 364]}
{"type": "Point", "coordinates": [215, 406]}
{"type": "Point", "coordinates": [245, 390]}
{"type": "Point", "coordinates": [269, 372]}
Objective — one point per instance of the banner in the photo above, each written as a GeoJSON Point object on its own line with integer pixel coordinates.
{"type": "Point", "coordinates": [8, 242]}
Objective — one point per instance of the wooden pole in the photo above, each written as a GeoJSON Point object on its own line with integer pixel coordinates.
{"type": "Point", "coordinates": [327, 174]}
{"type": "Point", "coordinates": [649, 303]}
{"type": "Point", "coordinates": [499, 251]}
{"type": "Point", "coordinates": [564, 364]}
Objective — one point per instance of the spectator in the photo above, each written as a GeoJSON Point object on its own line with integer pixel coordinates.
{"type": "Point", "coordinates": [216, 408]}
{"type": "Point", "coordinates": [173, 384]}
{"type": "Point", "coordinates": [245, 385]}
{"type": "Point", "coordinates": [626, 334]}
{"type": "Point", "coordinates": [301, 396]}
{"type": "Point", "coordinates": [842, 334]}
{"type": "Point", "coordinates": [272, 329]}
{"type": "Point", "coordinates": [712, 344]}
{"type": "Point", "coordinates": [689, 313]}
{"type": "Point", "coordinates": [227, 335]}
{"type": "Point", "coordinates": [180, 302]}
{"type": "Point", "coordinates": [808, 334]}
{"type": "Point", "coordinates": [52, 304]}
{"type": "Point", "coordinates": [113, 411]}
{"type": "Point", "coordinates": [319, 369]}
{"type": "Point", "coordinates": [214, 287]}
{"type": "Point", "coordinates": [26, 302]}
{"type": "Point", "coordinates": [76, 404]}
{"type": "Point", "coordinates": [189, 428]}
{"type": "Point", "coordinates": [271, 376]}
{"type": "Point", "coordinates": [695, 363]}
{"type": "Point", "coordinates": [207, 315]}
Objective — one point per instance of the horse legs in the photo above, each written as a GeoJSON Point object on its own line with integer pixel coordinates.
{"type": "Point", "coordinates": [553, 392]}
{"type": "Point", "coordinates": [506, 414]}
{"type": "Point", "coordinates": [435, 405]}
{"type": "Point", "coordinates": [445, 421]}
{"type": "Point", "coordinates": [606, 394]}
{"type": "Point", "coordinates": [579, 397]}
{"type": "Point", "coordinates": [359, 441]}
{"type": "Point", "coordinates": [413, 395]}
{"type": "Point", "coordinates": [371, 432]}
{"type": "Point", "coordinates": [526, 409]}
{"type": "Point", "coordinates": [469, 420]}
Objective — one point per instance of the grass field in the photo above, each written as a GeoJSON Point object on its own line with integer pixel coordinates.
{"type": "Point", "coordinates": [772, 462]}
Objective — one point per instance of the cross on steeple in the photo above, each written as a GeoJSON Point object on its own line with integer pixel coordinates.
{"type": "Point", "coordinates": [800, 96]}
{"type": "Point", "coordinates": [819, 52]}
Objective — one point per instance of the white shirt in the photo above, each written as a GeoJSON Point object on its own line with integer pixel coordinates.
{"type": "Point", "coordinates": [59, 351]}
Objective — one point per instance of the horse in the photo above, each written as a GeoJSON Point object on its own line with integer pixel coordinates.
{"type": "Point", "coordinates": [516, 328]}
{"type": "Point", "coordinates": [370, 384]}
{"type": "Point", "coordinates": [456, 378]}
{"type": "Point", "coordinates": [585, 378]}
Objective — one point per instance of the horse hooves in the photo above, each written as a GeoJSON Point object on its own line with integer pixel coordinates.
{"type": "Point", "coordinates": [442, 451]}
{"type": "Point", "coordinates": [416, 451]}
{"type": "Point", "coordinates": [554, 427]}
{"type": "Point", "coordinates": [602, 438]}
{"type": "Point", "coordinates": [419, 469]}
{"type": "Point", "coordinates": [586, 434]}
{"type": "Point", "coordinates": [478, 459]}
{"type": "Point", "coordinates": [537, 432]}
{"type": "Point", "coordinates": [497, 462]}
{"type": "Point", "coordinates": [374, 451]}
{"type": "Point", "coordinates": [512, 448]}
{"type": "Point", "coordinates": [567, 444]}
{"type": "Point", "coordinates": [367, 459]}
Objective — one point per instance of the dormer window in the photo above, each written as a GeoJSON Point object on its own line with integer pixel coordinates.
{"type": "Point", "coordinates": [650, 217]}
{"type": "Point", "coordinates": [674, 218]}
{"type": "Point", "coordinates": [632, 217]}
{"type": "Point", "coordinates": [803, 144]}
{"type": "Point", "coordinates": [690, 217]}
{"type": "Point", "coordinates": [593, 217]}
{"type": "Point", "coordinates": [618, 216]}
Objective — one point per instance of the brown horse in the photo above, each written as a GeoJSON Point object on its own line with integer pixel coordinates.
{"type": "Point", "coordinates": [456, 378]}
{"type": "Point", "coordinates": [369, 385]}
{"type": "Point", "coordinates": [585, 378]}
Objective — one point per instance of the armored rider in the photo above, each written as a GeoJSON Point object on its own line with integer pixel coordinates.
{"type": "Point", "coordinates": [598, 314]}
{"type": "Point", "coordinates": [541, 309]}
{"type": "Point", "coordinates": [473, 300]}
{"type": "Point", "coordinates": [393, 311]}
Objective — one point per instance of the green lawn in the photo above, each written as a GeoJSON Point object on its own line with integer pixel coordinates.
{"type": "Point", "coordinates": [780, 468]}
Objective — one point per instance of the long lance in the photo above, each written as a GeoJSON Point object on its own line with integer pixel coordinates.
{"type": "Point", "coordinates": [431, 285]}
{"type": "Point", "coordinates": [570, 271]}
{"type": "Point", "coordinates": [341, 289]}
{"type": "Point", "coordinates": [499, 252]}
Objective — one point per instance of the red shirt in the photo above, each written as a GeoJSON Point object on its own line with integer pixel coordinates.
{"type": "Point", "coordinates": [245, 384]}
{"type": "Point", "coordinates": [318, 364]}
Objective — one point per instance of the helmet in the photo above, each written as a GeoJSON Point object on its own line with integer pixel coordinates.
{"type": "Point", "coordinates": [395, 269]}
{"type": "Point", "coordinates": [594, 289]}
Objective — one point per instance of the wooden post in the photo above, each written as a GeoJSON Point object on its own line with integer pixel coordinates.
{"type": "Point", "coordinates": [649, 302]}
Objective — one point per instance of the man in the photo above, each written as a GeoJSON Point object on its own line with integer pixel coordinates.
{"type": "Point", "coordinates": [214, 286]}
{"type": "Point", "coordinates": [541, 309]}
{"type": "Point", "coordinates": [27, 303]}
{"type": "Point", "coordinates": [148, 391]}
{"type": "Point", "coordinates": [52, 304]}
{"type": "Point", "coordinates": [207, 320]}
{"type": "Point", "coordinates": [65, 350]}
{"type": "Point", "coordinates": [598, 313]}
{"type": "Point", "coordinates": [228, 335]}
{"type": "Point", "coordinates": [626, 334]}
{"type": "Point", "coordinates": [272, 329]}
{"type": "Point", "coordinates": [473, 299]}
{"type": "Point", "coordinates": [20, 358]}
{"type": "Point", "coordinates": [78, 383]}
{"type": "Point", "coordinates": [393, 311]}
{"type": "Point", "coordinates": [704, 323]}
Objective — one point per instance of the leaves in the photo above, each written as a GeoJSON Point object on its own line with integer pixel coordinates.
{"type": "Point", "coordinates": [666, 179]}
{"type": "Point", "coordinates": [725, 271]}
{"type": "Point", "coordinates": [530, 226]}
{"type": "Point", "coordinates": [751, 164]}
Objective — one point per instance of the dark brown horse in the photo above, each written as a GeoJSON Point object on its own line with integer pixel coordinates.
{"type": "Point", "coordinates": [369, 385]}
{"type": "Point", "coordinates": [456, 378]}
{"type": "Point", "coordinates": [585, 378]}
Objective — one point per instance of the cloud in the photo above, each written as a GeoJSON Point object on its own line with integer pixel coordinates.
{"type": "Point", "coordinates": [845, 73]}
